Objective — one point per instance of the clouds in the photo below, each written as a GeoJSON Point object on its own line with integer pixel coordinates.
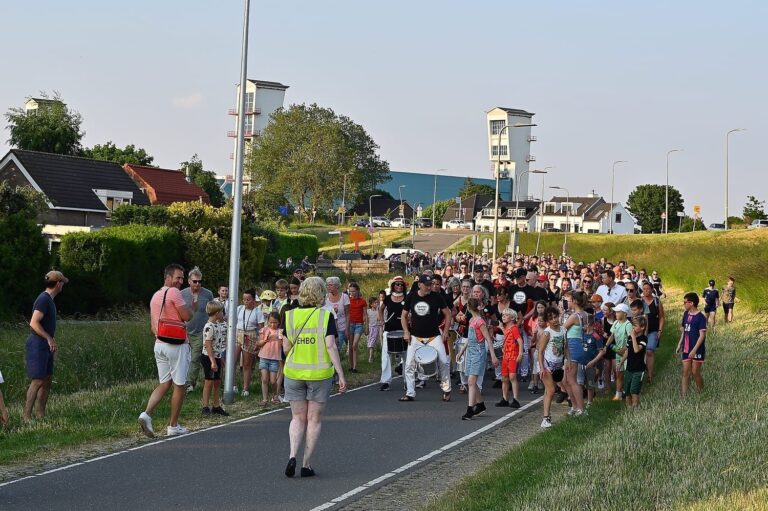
{"type": "Point", "coordinates": [188, 102]}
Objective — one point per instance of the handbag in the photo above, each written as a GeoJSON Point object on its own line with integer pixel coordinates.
{"type": "Point", "coordinates": [170, 331]}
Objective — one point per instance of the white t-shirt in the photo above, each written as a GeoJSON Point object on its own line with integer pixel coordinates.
{"type": "Point", "coordinates": [249, 319]}
{"type": "Point", "coordinates": [338, 309]}
{"type": "Point", "coordinates": [1, 377]}
{"type": "Point", "coordinates": [217, 334]}
{"type": "Point", "coordinates": [616, 295]}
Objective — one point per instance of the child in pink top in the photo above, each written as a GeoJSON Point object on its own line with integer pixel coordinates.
{"type": "Point", "coordinates": [374, 326]}
{"type": "Point", "coordinates": [269, 356]}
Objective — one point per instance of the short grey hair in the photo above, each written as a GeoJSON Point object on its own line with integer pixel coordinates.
{"type": "Point", "coordinates": [453, 281]}
{"type": "Point", "coordinates": [485, 291]}
{"type": "Point", "coordinates": [195, 272]}
{"type": "Point", "coordinates": [333, 281]}
{"type": "Point", "coordinates": [312, 292]}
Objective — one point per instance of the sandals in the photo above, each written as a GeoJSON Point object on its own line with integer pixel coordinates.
{"type": "Point", "coordinates": [406, 398]}
{"type": "Point", "coordinates": [275, 400]}
{"type": "Point", "coordinates": [446, 396]}
{"type": "Point", "coordinates": [262, 403]}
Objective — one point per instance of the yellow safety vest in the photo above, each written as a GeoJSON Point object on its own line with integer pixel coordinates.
{"type": "Point", "coordinates": [308, 359]}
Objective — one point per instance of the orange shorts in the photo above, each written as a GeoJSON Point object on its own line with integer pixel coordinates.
{"type": "Point", "coordinates": [509, 360]}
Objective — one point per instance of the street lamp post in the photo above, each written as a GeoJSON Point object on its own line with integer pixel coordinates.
{"type": "Point", "coordinates": [567, 215]}
{"type": "Point", "coordinates": [517, 207]}
{"type": "Point", "coordinates": [370, 218]}
{"type": "Point", "coordinates": [541, 210]}
{"type": "Point", "coordinates": [498, 172]}
{"type": "Point", "coordinates": [666, 193]}
{"type": "Point", "coordinates": [343, 201]}
{"type": "Point", "coordinates": [613, 180]}
{"type": "Point", "coordinates": [727, 137]}
{"type": "Point", "coordinates": [434, 197]}
{"type": "Point", "coordinates": [400, 192]}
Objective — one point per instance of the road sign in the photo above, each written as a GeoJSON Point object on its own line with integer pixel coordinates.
{"type": "Point", "coordinates": [402, 210]}
{"type": "Point", "coordinates": [487, 243]}
{"type": "Point", "coordinates": [418, 212]}
{"type": "Point", "coordinates": [681, 214]}
{"type": "Point", "coordinates": [458, 201]}
{"type": "Point", "coordinates": [697, 209]}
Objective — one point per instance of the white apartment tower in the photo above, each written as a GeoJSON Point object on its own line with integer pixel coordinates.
{"type": "Point", "coordinates": [511, 146]}
{"type": "Point", "coordinates": [261, 100]}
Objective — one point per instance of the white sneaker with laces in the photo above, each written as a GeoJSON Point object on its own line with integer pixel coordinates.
{"type": "Point", "coordinates": [579, 413]}
{"type": "Point", "coordinates": [245, 393]}
{"type": "Point", "coordinates": [190, 388]}
{"type": "Point", "coordinates": [600, 384]}
{"type": "Point", "coordinates": [145, 421]}
{"type": "Point", "coordinates": [531, 386]}
{"type": "Point", "coordinates": [177, 430]}
{"type": "Point", "coordinates": [571, 411]}
{"type": "Point", "coordinates": [546, 423]}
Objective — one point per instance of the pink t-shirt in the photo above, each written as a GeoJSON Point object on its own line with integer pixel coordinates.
{"type": "Point", "coordinates": [271, 350]}
{"type": "Point", "coordinates": [477, 325]}
{"type": "Point", "coordinates": [172, 300]}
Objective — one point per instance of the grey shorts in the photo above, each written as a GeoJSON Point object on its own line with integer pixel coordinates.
{"type": "Point", "coordinates": [307, 390]}
{"type": "Point", "coordinates": [586, 377]}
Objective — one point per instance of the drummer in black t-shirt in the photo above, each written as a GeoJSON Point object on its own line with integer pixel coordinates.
{"type": "Point", "coordinates": [389, 313]}
{"type": "Point", "coordinates": [522, 298]}
{"type": "Point", "coordinates": [423, 309]}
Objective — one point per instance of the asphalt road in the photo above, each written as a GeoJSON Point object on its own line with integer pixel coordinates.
{"type": "Point", "coordinates": [435, 240]}
{"type": "Point", "coordinates": [366, 434]}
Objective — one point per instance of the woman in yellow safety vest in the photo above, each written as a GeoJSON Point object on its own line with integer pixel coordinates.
{"type": "Point", "coordinates": [311, 358]}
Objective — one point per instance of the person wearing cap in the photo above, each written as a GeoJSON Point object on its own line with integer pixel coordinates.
{"type": "Point", "coordinates": [41, 345]}
{"type": "Point", "coordinates": [617, 344]}
{"type": "Point", "coordinates": [196, 297]}
{"type": "Point", "coordinates": [711, 298]}
{"type": "Point", "coordinates": [268, 298]}
{"type": "Point", "coordinates": [421, 327]}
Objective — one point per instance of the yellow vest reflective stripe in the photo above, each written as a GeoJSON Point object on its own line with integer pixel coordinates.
{"type": "Point", "coordinates": [308, 359]}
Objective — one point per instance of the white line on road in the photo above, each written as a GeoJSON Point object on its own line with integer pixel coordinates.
{"type": "Point", "coordinates": [418, 461]}
{"type": "Point", "coordinates": [163, 440]}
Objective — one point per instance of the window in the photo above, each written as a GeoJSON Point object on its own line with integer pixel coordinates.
{"type": "Point", "coordinates": [550, 209]}
{"type": "Point", "coordinates": [593, 231]}
{"type": "Point", "coordinates": [549, 225]}
{"type": "Point", "coordinates": [496, 127]}
{"type": "Point", "coordinates": [250, 101]}
{"type": "Point", "coordinates": [495, 150]}
{"type": "Point", "coordinates": [512, 213]}
{"type": "Point", "coordinates": [248, 125]}
{"type": "Point", "coordinates": [489, 212]}
{"type": "Point", "coordinates": [618, 218]}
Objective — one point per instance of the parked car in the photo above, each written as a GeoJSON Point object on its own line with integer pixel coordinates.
{"type": "Point", "coordinates": [758, 223]}
{"type": "Point", "coordinates": [361, 222]}
{"type": "Point", "coordinates": [400, 222]}
{"type": "Point", "coordinates": [423, 222]}
{"type": "Point", "coordinates": [380, 221]}
{"type": "Point", "coordinates": [457, 224]}
{"type": "Point", "coordinates": [716, 227]}
{"type": "Point", "coordinates": [389, 252]}
{"type": "Point", "coordinates": [551, 229]}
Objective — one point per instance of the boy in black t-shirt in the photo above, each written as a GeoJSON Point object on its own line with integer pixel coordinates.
{"type": "Point", "coordinates": [635, 358]}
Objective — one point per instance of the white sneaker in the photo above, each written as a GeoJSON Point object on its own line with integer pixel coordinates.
{"type": "Point", "coordinates": [145, 421]}
{"type": "Point", "coordinates": [245, 393]}
{"type": "Point", "coordinates": [546, 423]}
{"type": "Point", "coordinates": [190, 388]}
{"type": "Point", "coordinates": [234, 389]}
{"type": "Point", "coordinates": [579, 413]}
{"type": "Point", "coordinates": [571, 411]}
{"type": "Point", "coordinates": [531, 386]}
{"type": "Point", "coordinates": [177, 430]}
{"type": "Point", "coordinates": [600, 384]}
{"type": "Point", "coordinates": [282, 399]}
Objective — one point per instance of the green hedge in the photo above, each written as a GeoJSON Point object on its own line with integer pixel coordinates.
{"type": "Point", "coordinates": [116, 265]}
{"type": "Point", "coordinates": [25, 260]}
{"type": "Point", "coordinates": [210, 252]}
{"type": "Point", "coordinates": [143, 215]}
{"type": "Point", "coordinates": [297, 245]}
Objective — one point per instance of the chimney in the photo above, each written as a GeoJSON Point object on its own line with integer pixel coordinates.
{"type": "Point", "coordinates": [592, 194]}
{"type": "Point", "coordinates": [188, 174]}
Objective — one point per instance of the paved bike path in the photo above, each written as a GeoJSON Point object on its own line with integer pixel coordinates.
{"type": "Point", "coordinates": [366, 434]}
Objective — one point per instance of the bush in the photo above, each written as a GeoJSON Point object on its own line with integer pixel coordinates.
{"type": "Point", "coordinates": [210, 252]}
{"type": "Point", "coordinates": [116, 265]}
{"type": "Point", "coordinates": [143, 215]}
{"type": "Point", "coordinates": [296, 245]}
{"type": "Point", "coordinates": [25, 258]}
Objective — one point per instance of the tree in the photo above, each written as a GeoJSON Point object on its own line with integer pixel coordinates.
{"type": "Point", "coordinates": [205, 179]}
{"type": "Point", "coordinates": [753, 209]}
{"type": "Point", "coordinates": [735, 221]}
{"type": "Point", "coordinates": [470, 188]}
{"type": "Point", "coordinates": [110, 152]}
{"type": "Point", "coordinates": [305, 153]}
{"type": "Point", "coordinates": [51, 128]}
{"type": "Point", "coordinates": [687, 224]}
{"type": "Point", "coordinates": [646, 203]}
{"type": "Point", "coordinates": [21, 200]}
{"type": "Point", "coordinates": [440, 208]}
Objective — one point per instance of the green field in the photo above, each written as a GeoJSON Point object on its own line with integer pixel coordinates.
{"type": "Point", "coordinates": [705, 452]}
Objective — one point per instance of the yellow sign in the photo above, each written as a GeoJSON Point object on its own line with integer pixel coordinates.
{"type": "Point", "coordinates": [697, 209]}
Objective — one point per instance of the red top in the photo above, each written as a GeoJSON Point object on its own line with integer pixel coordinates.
{"type": "Point", "coordinates": [357, 308]}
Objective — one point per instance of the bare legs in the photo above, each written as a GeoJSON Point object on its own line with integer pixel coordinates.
{"type": "Point", "coordinates": [177, 399]}
{"type": "Point", "coordinates": [692, 368]}
{"type": "Point", "coordinates": [575, 390]}
{"type": "Point", "coordinates": [37, 394]}
{"type": "Point", "coordinates": [352, 351]}
{"type": "Point", "coordinates": [306, 423]}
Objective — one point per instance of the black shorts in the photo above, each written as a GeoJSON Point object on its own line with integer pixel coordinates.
{"type": "Point", "coordinates": [207, 372]}
{"type": "Point", "coordinates": [727, 307]}
{"type": "Point", "coordinates": [708, 309]}
{"type": "Point", "coordinates": [39, 358]}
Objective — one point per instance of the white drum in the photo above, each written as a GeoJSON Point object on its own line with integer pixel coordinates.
{"type": "Point", "coordinates": [426, 362]}
{"type": "Point", "coordinates": [498, 345]}
{"type": "Point", "coordinates": [461, 362]}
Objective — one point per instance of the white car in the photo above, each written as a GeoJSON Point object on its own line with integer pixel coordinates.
{"type": "Point", "coordinates": [758, 223]}
{"type": "Point", "coordinates": [380, 221]}
{"type": "Point", "coordinates": [400, 222]}
{"type": "Point", "coordinates": [457, 224]}
{"type": "Point", "coordinates": [389, 252]}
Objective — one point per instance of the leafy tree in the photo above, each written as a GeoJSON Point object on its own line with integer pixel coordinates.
{"type": "Point", "coordinates": [305, 153]}
{"type": "Point", "coordinates": [262, 206]}
{"type": "Point", "coordinates": [735, 222]}
{"type": "Point", "coordinates": [440, 208]}
{"type": "Point", "coordinates": [753, 209]}
{"type": "Point", "coordinates": [51, 128]}
{"type": "Point", "coordinates": [646, 203]}
{"type": "Point", "coordinates": [110, 152]}
{"type": "Point", "coordinates": [470, 188]}
{"type": "Point", "coordinates": [21, 200]}
{"type": "Point", "coordinates": [362, 198]}
{"type": "Point", "coordinates": [205, 179]}
{"type": "Point", "coordinates": [687, 224]}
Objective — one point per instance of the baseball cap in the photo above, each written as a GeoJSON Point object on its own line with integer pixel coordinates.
{"type": "Point", "coordinates": [425, 279]}
{"type": "Point", "coordinates": [622, 307]}
{"type": "Point", "coordinates": [55, 276]}
{"type": "Point", "coordinates": [521, 272]}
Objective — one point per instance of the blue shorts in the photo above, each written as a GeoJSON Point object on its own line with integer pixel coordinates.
{"type": "Point", "coordinates": [653, 341]}
{"type": "Point", "coordinates": [341, 340]}
{"type": "Point", "coordinates": [39, 358]}
{"type": "Point", "coordinates": [356, 328]}
{"type": "Point", "coordinates": [576, 351]}
{"type": "Point", "coordinates": [270, 365]}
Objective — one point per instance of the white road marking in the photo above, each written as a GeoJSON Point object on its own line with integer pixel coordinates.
{"type": "Point", "coordinates": [418, 461]}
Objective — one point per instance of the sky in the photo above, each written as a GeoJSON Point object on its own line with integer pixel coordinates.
{"type": "Point", "coordinates": [607, 81]}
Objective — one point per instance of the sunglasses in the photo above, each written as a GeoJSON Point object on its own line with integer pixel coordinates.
{"type": "Point", "coordinates": [195, 281]}
{"type": "Point", "coordinates": [631, 290]}
{"type": "Point", "coordinates": [587, 281]}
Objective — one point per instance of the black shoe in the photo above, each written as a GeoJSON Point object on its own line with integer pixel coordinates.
{"type": "Point", "coordinates": [560, 397]}
{"type": "Point", "coordinates": [497, 384]}
{"type": "Point", "coordinates": [515, 404]}
{"type": "Point", "coordinates": [353, 370]}
{"type": "Point", "coordinates": [467, 416]}
{"type": "Point", "coordinates": [290, 469]}
{"type": "Point", "coordinates": [206, 410]}
{"type": "Point", "coordinates": [220, 411]}
{"type": "Point", "coordinates": [307, 472]}
{"type": "Point", "coordinates": [384, 386]}
{"type": "Point", "coordinates": [399, 369]}
{"type": "Point", "coordinates": [479, 408]}
{"type": "Point", "coordinates": [535, 390]}
{"type": "Point", "coordinates": [503, 402]}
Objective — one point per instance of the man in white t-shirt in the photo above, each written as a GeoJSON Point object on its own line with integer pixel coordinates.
{"type": "Point", "coordinates": [610, 291]}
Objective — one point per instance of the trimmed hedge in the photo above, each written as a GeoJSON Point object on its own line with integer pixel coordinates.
{"type": "Point", "coordinates": [143, 215]}
{"type": "Point", "coordinates": [210, 253]}
{"type": "Point", "coordinates": [116, 265]}
{"type": "Point", "coordinates": [25, 261]}
{"type": "Point", "coordinates": [296, 245]}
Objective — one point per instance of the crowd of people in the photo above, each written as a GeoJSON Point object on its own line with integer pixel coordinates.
{"type": "Point", "coordinates": [568, 329]}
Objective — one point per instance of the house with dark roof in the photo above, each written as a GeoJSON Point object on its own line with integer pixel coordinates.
{"type": "Point", "coordinates": [590, 214]}
{"type": "Point", "coordinates": [522, 213]}
{"type": "Point", "coordinates": [165, 186]}
{"type": "Point", "coordinates": [383, 206]}
{"type": "Point", "coordinates": [469, 208]}
{"type": "Point", "coordinates": [81, 193]}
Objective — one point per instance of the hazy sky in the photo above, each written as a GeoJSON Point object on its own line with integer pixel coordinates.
{"type": "Point", "coordinates": [607, 80]}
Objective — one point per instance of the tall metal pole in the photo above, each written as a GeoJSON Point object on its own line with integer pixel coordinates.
{"type": "Point", "coordinates": [666, 193]}
{"type": "Point", "coordinates": [541, 210]}
{"type": "Point", "coordinates": [517, 207]}
{"type": "Point", "coordinates": [613, 179]}
{"type": "Point", "coordinates": [370, 218]}
{"type": "Point", "coordinates": [434, 197]}
{"type": "Point", "coordinates": [567, 215]}
{"type": "Point", "coordinates": [727, 136]}
{"type": "Point", "coordinates": [400, 192]}
{"type": "Point", "coordinates": [237, 206]}
{"type": "Point", "coordinates": [343, 201]}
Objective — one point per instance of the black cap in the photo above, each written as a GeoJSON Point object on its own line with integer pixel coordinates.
{"type": "Point", "coordinates": [521, 272]}
{"type": "Point", "coordinates": [425, 279]}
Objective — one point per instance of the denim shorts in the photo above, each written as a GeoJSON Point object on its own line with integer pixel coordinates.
{"type": "Point", "coordinates": [270, 365]}
{"type": "Point", "coordinates": [341, 340]}
{"type": "Point", "coordinates": [355, 328]}
{"type": "Point", "coordinates": [653, 341]}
